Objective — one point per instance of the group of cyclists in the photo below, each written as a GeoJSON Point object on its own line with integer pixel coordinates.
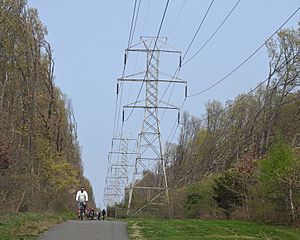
{"type": "Point", "coordinates": [82, 199]}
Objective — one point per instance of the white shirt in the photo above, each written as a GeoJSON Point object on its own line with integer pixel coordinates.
{"type": "Point", "coordinates": [82, 196]}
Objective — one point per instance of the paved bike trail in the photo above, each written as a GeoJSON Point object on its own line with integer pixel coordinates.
{"type": "Point", "coordinates": [87, 230]}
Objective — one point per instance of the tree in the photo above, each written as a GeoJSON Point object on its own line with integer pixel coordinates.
{"type": "Point", "coordinates": [228, 192]}
{"type": "Point", "coordinates": [40, 157]}
{"type": "Point", "coordinates": [200, 202]}
{"type": "Point", "coordinates": [279, 181]}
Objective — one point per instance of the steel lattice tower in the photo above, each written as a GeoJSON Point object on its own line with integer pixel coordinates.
{"type": "Point", "coordinates": [150, 177]}
{"type": "Point", "coordinates": [117, 175]}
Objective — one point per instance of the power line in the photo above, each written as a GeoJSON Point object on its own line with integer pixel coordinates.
{"type": "Point", "coordinates": [215, 32]}
{"type": "Point", "coordinates": [131, 34]}
{"type": "Point", "coordinates": [246, 60]}
{"type": "Point", "coordinates": [155, 44]}
{"type": "Point", "coordinates": [134, 19]}
{"type": "Point", "coordinates": [176, 124]}
{"type": "Point", "coordinates": [222, 23]}
{"type": "Point", "coordinates": [218, 28]}
{"type": "Point", "coordinates": [190, 44]}
{"type": "Point", "coordinates": [132, 29]}
{"type": "Point", "coordinates": [254, 89]}
{"type": "Point", "coordinates": [178, 15]}
{"type": "Point", "coordinates": [243, 96]}
{"type": "Point", "coordinates": [176, 73]}
{"type": "Point", "coordinates": [119, 100]}
{"type": "Point", "coordinates": [187, 50]}
{"type": "Point", "coordinates": [172, 135]}
{"type": "Point", "coordinates": [199, 27]}
{"type": "Point", "coordinates": [147, 12]}
{"type": "Point", "coordinates": [135, 102]}
{"type": "Point", "coordinates": [132, 23]}
{"type": "Point", "coordinates": [135, 22]}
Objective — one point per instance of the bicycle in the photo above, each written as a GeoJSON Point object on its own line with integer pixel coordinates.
{"type": "Point", "coordinates": [82, 210]}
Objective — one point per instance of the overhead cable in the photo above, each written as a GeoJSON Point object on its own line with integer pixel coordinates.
{"type": "Point", "coordinates": [246, 60]}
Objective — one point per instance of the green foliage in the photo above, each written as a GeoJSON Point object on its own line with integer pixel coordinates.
{"type": "Point", "coordinates": [177, 202]}
{"type": "Point", "coordinates": [201, 137]}
{"type": "Point", "coordinates": [61, 175]}
{"type": "Point", "coordinates": [56, 175]}
{"type": "Point", "coordinates": [278, 184]}
{"type": "Point", "coordinates": [279, 164]}
{"type": "Point", "coordinates": [199, 200]}
{"type": "Point", "coordinates": [228, 192]}
{"type": "Point", "coordinates": [192, 204]}
{"type": "Point", "coordinates": [39, 154]}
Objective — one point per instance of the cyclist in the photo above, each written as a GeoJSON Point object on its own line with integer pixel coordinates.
{"type": "Point", "coordinates": [81, 198]}
{"type": "Point", "coordinates": [103, 214]}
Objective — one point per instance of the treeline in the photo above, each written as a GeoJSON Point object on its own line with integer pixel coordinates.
{"type": "Point", "coordinates": [40, 161]}
{"type": "Point", "coordinates": [241, 160]}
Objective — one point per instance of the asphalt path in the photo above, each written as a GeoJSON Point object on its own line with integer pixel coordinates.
{"type": "Point", "coordinates": [87, 230]}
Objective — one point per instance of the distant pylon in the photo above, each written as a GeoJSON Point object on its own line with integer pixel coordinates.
{"type": "Point", "coordinates": [117, 175]}
{"type": "Point", "coordinates": [149, 182]}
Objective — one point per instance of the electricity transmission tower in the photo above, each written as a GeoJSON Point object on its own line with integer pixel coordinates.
{"type": "Point", "coordinates": [117, 175]}
{"type": "Point", "coordinates": [150, 185]}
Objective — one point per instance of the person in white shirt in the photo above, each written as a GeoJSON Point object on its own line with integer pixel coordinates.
{"type": "Point", "coordinates": [81, 198]}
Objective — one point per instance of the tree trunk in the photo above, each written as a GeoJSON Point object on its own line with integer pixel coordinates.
{"type": "Point", "coordinates": [291, 203]}
{"type": "Point", "coordinates": [21, 201]}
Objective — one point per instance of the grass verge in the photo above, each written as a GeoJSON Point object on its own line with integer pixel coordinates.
{"type": "Point", "coordinates": [28, 226]}
{"type": "Point", "coordinates": [208, 230]}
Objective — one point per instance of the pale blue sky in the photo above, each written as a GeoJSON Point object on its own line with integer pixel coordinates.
{"type": "Point", "coordinates": [89, 38]}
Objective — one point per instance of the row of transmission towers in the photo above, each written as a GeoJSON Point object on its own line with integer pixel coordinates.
{"type": "Point", "coordinates": [148, 189]}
